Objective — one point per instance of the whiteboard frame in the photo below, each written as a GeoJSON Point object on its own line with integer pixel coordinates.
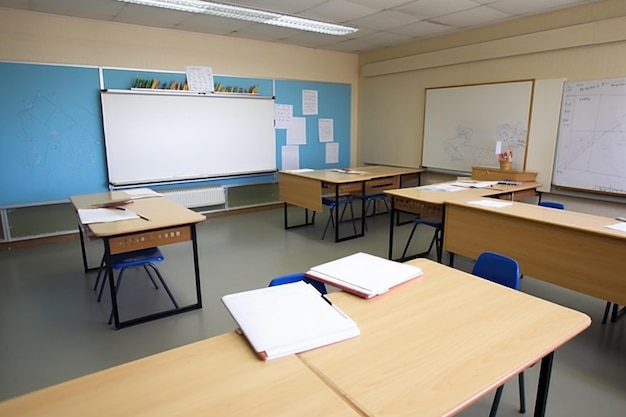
{"type": "Point", "coordinates": [166, 138]}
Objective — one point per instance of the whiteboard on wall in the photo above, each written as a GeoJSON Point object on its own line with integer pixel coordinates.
{"type": "Point", "coordinates": [160, 137]}
{"type": "Point", "coordinates": [591, 146]}
{"type": "Point", "coordinates": [462, 124]}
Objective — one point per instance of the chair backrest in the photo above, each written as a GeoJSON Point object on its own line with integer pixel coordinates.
{"type": "Point", "coordinates": [298, 276]}
{"type": "Point", "coordinates": [497, 268]}
{"type": "Point", "coordinates": [552, 204]}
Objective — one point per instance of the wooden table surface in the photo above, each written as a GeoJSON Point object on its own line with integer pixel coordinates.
{"type": "Point", "coordinates": [161, 212]}
{"type": "Point", "coordinates": [220, 376]}
{"type": "Point", "coordinates": [435, 345]}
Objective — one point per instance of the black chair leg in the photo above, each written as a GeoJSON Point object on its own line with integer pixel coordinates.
{"type": "Point", "coordinates": [606, 312]}
{"type": "Point", "coordinates": [145, 267]}
{"type": "Point", "coordinates": [100, 270]}
{"type": "Point", "coordinates": [167, 289]}
{"type": "Point", "coordinates": [408, 242]}
{"type": "Point", "coordinates": [496, 401]}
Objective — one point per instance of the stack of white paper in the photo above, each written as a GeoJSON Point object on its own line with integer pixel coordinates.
{"type": "Point", "coordinates": [363, 274]}
{"type": "Point", "coordinates": [288, 319]}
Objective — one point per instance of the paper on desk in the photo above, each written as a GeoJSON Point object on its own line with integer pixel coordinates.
{"type": "Point", "coordinates": [142, 193]}
{"type": "Point", "coordinates": [621, 226]}
{"type": "Point", "coordinates": [364, 274]}
{"type": "Point", "coordinates": [490, 203]}
{"type": "Point", "coordinates": [104, 215]}
{"type": "Point", "coordinates": [474, 184]}
{"type": "Point", "coordinates": [440, 187]}
{"type": "Point", "coordinates": [287, 319]}
{"type": "Point", "coordinates": [295, 171]}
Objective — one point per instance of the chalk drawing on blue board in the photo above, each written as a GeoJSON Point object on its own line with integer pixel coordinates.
{"type": "Point", "coordinates": [464, 148]}
{"type": "Point", "coordinates": [591, 149]}
{"type": "Point", "coordinates": [48, 131]}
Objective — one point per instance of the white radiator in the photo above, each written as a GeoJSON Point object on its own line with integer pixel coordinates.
{"type": "Point", "coordinates": [197, 197]}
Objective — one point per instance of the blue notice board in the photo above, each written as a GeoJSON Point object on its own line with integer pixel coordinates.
{"type": "Point", "coordinates": [333, 103]}
{"type": "Point", "coordinates": [50, 133]}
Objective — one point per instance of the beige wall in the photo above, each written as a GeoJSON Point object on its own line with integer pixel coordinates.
{"type": "Point", "coordinates": [588, 42]}
{"type": "Point", "coordinates": [31, 37]}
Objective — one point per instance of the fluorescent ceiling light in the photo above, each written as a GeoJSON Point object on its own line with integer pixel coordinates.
{"type": "Point", "coordinates": [251, 15]}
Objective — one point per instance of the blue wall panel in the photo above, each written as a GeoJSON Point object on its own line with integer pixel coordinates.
{"type": "Point", "coordinates": [51, 134]}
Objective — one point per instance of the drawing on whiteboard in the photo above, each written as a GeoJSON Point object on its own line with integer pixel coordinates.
{"type": "Point", "coordinates": [462, 147]}
{"type": "Point", "coordinates": [592, 136]}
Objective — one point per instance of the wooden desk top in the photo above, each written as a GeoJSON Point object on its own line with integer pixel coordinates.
{"type": "Point", "coordinates": [220, 376]}
{"type": "Point", "coordinates": [435, 345]}
{"type": "Point", "coordinates": [442, 197]}
{"type": "Point", "coordinates": [161, 212]}
{"type": "Point", "coordinates": [369, 172]}
{"type": "Point", "coordinates": [563, 218]}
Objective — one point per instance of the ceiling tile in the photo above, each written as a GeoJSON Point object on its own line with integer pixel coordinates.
{"type": "Point", "coordinates": [481, 15]}
{"type": "Point", "coordinates": [531, 6]}
{"type": "Point", "coordinates": [424, 29]}
{"type": "Point", "coordinates": [435, 8]}
{"type": "Point", "coordinates": [338, 11]}
{"type": "Point", "coordinates": [384, 20]}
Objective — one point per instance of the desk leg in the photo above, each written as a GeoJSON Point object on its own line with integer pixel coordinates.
{"type": "Point", "coordinates": [196, 265]}
{"type": "Point", "coordinates": [336, 208]}
{"type": "Point", "coordinates": [306, 218]}
{"type": "Point", "coordinates": [111, 278]}
{"type": "Point", "coordinates": [544, 384]}
{"type": "Point", "coordinates": [82, 248]}
{"type": "Point", "coordinates": [338, 220]}
{"type": "Point", "coordinates": [391, 227]}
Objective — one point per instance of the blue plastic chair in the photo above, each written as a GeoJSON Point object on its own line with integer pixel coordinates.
{"type": "Point", "coordinates": [298, 276]}
{"type": "Point", "coordinates": [437, 239]}
{"type": "Point", "coordinates": [147, 258]}
{"type": "Point", "coordinates": [552, 204]}
{"type": "Point", "coordinates": [370, 201]}
{"type": "Point", "coordinates": [504, 271]}
{"type": "Point", "coordinates": [346, 202]}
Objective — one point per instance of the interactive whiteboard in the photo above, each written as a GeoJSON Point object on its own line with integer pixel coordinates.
{"type": "Point", "coordinates": [160, 137]}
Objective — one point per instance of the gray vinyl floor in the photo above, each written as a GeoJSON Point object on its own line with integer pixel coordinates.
{"type": "Point", "coordinates": [52, 329]}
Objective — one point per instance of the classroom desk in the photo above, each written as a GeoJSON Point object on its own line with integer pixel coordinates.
{"type": "Point", "coordinates": [435, 345]}
{"type": "Point", "coordinates": [305, 189]}
{"type": "Point", "coordinates": [427, 203]}
{"type": "Point", "coordinates": [220, 376]}
{"type": "Point", "coordinates": [569, 249]}
{"type": "Point", "coordinates": [169, 223]}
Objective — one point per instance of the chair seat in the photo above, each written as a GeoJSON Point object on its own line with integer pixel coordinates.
{"type": "Point", "coordinates": [330, 202]}
{"type": "Point", "coordinates": [136, 258]}
{"type": "Point", "coordinates": [298, 276]}
{"type": "Point", "coordinates": [146, 258]}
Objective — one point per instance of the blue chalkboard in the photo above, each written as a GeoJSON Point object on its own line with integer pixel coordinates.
{"type": "Point", "coordinates": [50, 133]}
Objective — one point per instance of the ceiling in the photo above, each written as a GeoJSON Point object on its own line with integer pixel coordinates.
{"type": "Point", "coordinates": [381, 23]}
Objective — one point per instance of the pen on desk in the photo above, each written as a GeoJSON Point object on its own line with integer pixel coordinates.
{"type": "Point", "coordinates": [140, 215]}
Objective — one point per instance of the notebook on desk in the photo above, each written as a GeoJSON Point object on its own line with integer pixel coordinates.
{"type": "Point", "coordinates": [363, 274]}
{"type": "Point", "coordinates": [287, 319]}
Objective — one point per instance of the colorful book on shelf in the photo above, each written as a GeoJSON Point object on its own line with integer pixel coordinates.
{"type": "Point", "coordinates": [363, 274]}
{"type": "Point", "coordinates": [287, 319]}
